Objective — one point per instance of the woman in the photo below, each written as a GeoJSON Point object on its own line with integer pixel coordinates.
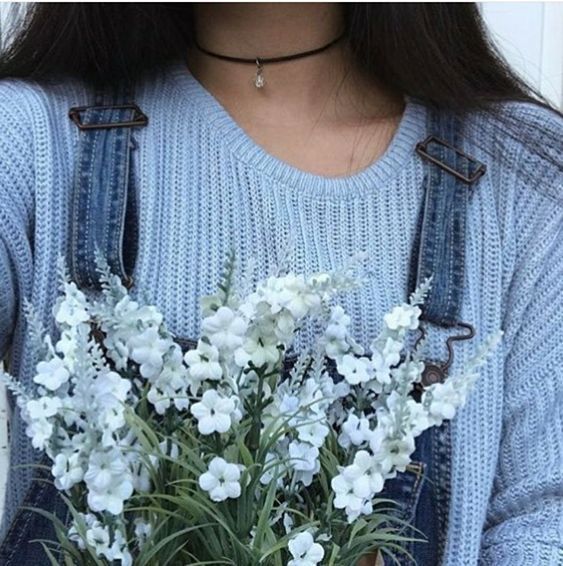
{"type": "Point", "coordinates": [316, 153]}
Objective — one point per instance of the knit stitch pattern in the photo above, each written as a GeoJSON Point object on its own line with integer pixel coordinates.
{"type": "Point", "coordinates": [204, 187]}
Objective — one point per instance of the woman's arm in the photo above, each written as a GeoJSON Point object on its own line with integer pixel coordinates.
{"type": "Point", "coordinates": [525, 518]}
{"type": "Point", "coordinates": [16, 203]}
{"type": "Point", "coordinates": [7, 300]}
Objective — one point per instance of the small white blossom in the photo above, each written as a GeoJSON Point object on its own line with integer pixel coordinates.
{"type": "Point", "coordinates": [52, 374]}
{"type": "Point", "coordinates": [385, 355]}
{"type": "Point", "coordinates": [394, 454]}
{"type": "Point", "coordinates": [336, 333]}
{"type": "Point", "coordinates": [313, 433]}
{"type": "Point", "coordinates": [305, 551]}
{"type": "Point", "coordinates": [148, 349]}
{"type": "Point", "coordinates": [222, 480]}
{"type": "Point", "coordinates": [71, 309]}
{"type": "Point", "coordinates": [203, 363]}
{"type": "Point", "coordinates": [290, 292]}
{"type": "Point", "coordinates": [304, 459]}
{"type": "Point", "coordinates": [112, 498]}
{"type": "Point", "coordinates": [109, 481]}
{"type": "Point", "coordinates": [67, 470]}
{"type": "Point", "coordinates": [43, 407]}
{"type": "Point", "coordinates": [355, 431]}
{"type": "Point", "coordinates": [403, 317]}
{"type": "Point", "coordinates": [225, 329]}
{"type": "Point", "coordinates": [354, 369]}
{"type": "Point", "coordinates": [40, 432]}
{"type": "Point", "coordinates": [259, 351]}
{"type": "Point", "coordinates": [214, 413]}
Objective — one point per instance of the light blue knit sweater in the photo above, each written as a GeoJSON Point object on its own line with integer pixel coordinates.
{"type": "Point", "coordinates": [204, 186]}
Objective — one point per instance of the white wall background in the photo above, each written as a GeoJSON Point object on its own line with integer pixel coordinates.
{"type": "Point", "coordinates": [530, 35]}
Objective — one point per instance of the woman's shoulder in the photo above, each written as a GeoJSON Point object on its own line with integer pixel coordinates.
{"type": "Point", "coordinates": [36, 138]}
{"type": "Point", "coordinates": [25, 102]}
{"type": "Point", "coordinates": [522, 145]}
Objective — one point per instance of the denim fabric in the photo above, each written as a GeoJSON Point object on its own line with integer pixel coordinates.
{"type": "Point", "coordinates": [422, 493]}
{"type": "Point", "coordinates": [103, 198]}
{"type": "Point", "coordinates": [21, 546]}
{"type": "Point", "coordinates": [104, 205]}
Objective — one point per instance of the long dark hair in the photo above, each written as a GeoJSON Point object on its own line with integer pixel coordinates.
{"type": "Point", "coordinates": [439, 53]}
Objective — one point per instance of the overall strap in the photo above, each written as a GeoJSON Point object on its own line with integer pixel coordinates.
{"type": "Point", "coordinates": [439, 246]}
{"type": "Point", "coordinates": [439, 251]}
{"type": "Point", "coordinates": [103, 200]}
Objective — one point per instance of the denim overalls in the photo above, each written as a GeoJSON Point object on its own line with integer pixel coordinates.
{"type": "Point", "coordinates": [104, 215]}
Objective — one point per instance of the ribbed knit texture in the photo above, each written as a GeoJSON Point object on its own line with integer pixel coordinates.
{"type": "Point", "coordinates": [204, 186]}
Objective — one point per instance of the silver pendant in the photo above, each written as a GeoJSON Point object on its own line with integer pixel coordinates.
{"type": "Point", "coordinates": [259, 80]}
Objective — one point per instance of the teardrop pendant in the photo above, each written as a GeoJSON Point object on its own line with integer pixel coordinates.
{"type": "Point", "coordinates": [259, 80]}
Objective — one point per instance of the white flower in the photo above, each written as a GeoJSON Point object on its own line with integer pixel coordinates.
{"type": "Point", "coordinates": [51, 374]}
{"type": "Point", "coordinates": [304, 459]}
{"type": "Point", "coordinates": [38, 412]}
{"type": "Point", "coordinates": [111, 499]}
{"type": "Point", "coordinates": [160, 400]}
{"type": "Point", "coordinates": [71, 309]}
{"type": "Point", "coordinates": [287, 521]}
{"type": "Point", "coordinates": [291, 292]}
{"type": "Point", "coordinates": [393, 454]}
{"type": "Point", "coordinates": [73, 535]}
{"type": "Point", "coordinates": [203, 363]}
{"type": "Point", "coordinates": [356, 485]}
{"type": "Point", "coordinates": [225, 329]}
{"type": "Point", "coordinates": [171, 385]}
{"type": "Point", "coordinates": [111, 389]}
{"type": "Point", "coordinates": [336, 333]}
{"type": "Point", "coordinates": [355, 431]}
{"type": "Point", "coordinates": [97, 536]}
{"type": "Point", "coordinates": [403, 317]}
{"type": "Point", "coordinates": [313, 433]}
{"type": "Point", "coordinates": [222, 480]}
{"type": "Point", "coordinates": [148, 349]}
{"type": "Point", "coordinates": [43, 407]}
{"type": "Point", "coordinates": [40, 431]}
{"type": "Point", "coordinates": [259, 351]}
{"type": "Point", "coordinates": [368, 473]}
{"type": "Point", "coordinates": [303, 456]}
{"type": "Point", "coordinates": [109, 481]}
{"type": "Point", "coordinates": [442, 400]}
{"type": "Point", "coordinates": [103, 468]}
{"type": "Point", "coordinates": [386, 354]}
{"type": "Point", "coordinates": [343, 489]}
{"type": "Point", "coordinates": [70, 341]}
{"type": "Point", "coordinates": [274, 468]}
{"type": "Point", "coordinates": [67, 470]}
{"type": "Point", "coordinates": [143, 531]}
{"type": "Point", "coordinates": [354, 369]}
{"type": "Point", "coordinates": [118, 550]}
{"type": "Point", "coordinates": [214, 413]}
{"type": "Point", "coordinates": [305, 551]}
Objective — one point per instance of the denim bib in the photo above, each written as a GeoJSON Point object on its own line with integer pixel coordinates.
{"type": "Point", "coordinates": [104, 216]}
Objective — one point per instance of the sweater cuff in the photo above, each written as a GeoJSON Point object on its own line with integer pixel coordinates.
{"type": "Point", "coordinates": [522, 553]}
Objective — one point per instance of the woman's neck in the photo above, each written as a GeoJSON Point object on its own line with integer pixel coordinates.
{"type": "Point", "coordinates": [278, 29]}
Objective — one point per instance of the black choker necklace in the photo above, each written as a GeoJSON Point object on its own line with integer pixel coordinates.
{"type": "Point", "coordinates": [259, 80]}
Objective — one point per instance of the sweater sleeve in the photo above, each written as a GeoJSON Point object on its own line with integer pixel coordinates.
{"type": "Point", "coordinates": [7, 300]}
{"type": "Point", "coordinates": [525, 516]}
{"type": "Point", "coordinates": [16, 205]}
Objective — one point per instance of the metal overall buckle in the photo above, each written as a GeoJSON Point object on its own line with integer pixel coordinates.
{"type": "Point", "coordinates": [422, 150]}
{"type": "Point", "coordinates": [436, 372]}
{"type": "Point", "coordinates": [140, 119]}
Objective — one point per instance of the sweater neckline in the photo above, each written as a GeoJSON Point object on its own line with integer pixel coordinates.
{"type": "Point", "coordinates": [377, 175]}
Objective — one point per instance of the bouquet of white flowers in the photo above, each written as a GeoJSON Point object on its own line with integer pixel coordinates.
{"type": "Point", "coordinates": [233, 452]}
